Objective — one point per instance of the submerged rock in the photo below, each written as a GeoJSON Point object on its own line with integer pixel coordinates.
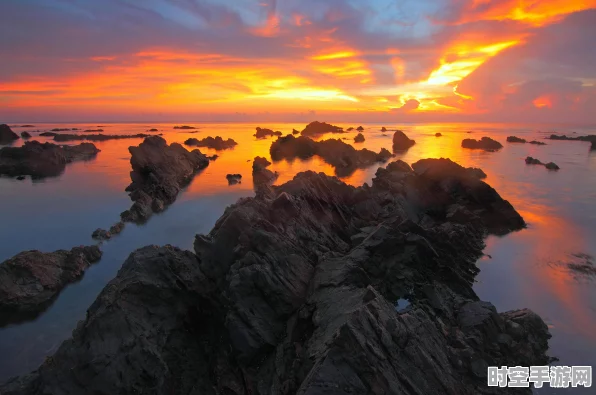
{"type": "Point", "coordinates": [294, 292]}
{"type": "Point", "coordinates": [42, 159]}
{"type": "Point", "coordinates": [234, 179]}
{"type": "Point", "coordinates": [159, 172]}
{"type": "Point", "coordinates": [514, 139]}
{"type": "Point", "coordinates": [7, 136]}
{"type": "Point", "coordinates": [315, 129]}
{"type": "Point", "coordinates": [343, 157]}
{"type": "Point", "coordinates": [216, 143]}
{"type": "Point", "coordinates": [264, 133]}
{"type": "Point", "coordinates": [485, 143]}
{"type": "Point", "coordinates": [359, 138]}
{"type": "Point", "coordinates": [401, 142]}
{"type": "Point", "coordinates": [31, 280]}
{"type": "Point", "coordinates": [25, 135]}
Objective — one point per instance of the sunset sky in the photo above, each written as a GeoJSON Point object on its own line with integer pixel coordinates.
{"type": "Point", "coordinates": [276, 60]}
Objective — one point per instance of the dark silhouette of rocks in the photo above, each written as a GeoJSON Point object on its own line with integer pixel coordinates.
{"type": "Point", "coordinates": [485, 143]}
{"type": "Point", "coordinates": [593, 147]}
{"type": "Point", "coordinates": [343, 157]}
{"type": "Point", "coordinates": [261, 176]}
{"type": "Point", "coordinates": [27, 126]}
{"type": "Point", "coordinates": [360, 128]}
{"type": "Point", "coordinates": [590, 138]}
{"type": "Point", "coordinates": [295, 132]}
{"type": "Point", "coordinates": [552, 166]}
{"type": "Point", "coordinates": [102, 234]}
{"type": "Point", "coordinates": [20, 178]}
{"type": "Point", "coordinates": [153, 130]}
{"type": "Point", "coordinates": [317, 128]}
{"type": "Point", "coordinates": [234, 179]}
{"type": "Point", "coordinates": [63, 129]}
{"type": "Point", "coordinates": [25, 135]}
{"type": "Point", "coordinates": [40, 160]}
{"type": "Point", "coordinates": [93, 130]}
{"type": "Point", "coordinates": [349, 129]}
{"type": "Point", "coordinates": [294, 290]}
{"type": "Point", "coordinates": [401, 142]}
{"type": "Point", "coordinates": [159, 172]}
{"type": "Point", "coordinates": [383, 129]}
{"type": "Point", "coordinates": [476, 172]}
{"type": "Point", "coordinates": [185, 127]}
{"type": "Point", "coordinates": [7, 136]}
{"type": "Point", "coordinates": [359, 138]}
{"type": "Point", "coordinates": [438, 134]}
{"type": "Point", "coordinates": [31, 280]}
{"type": "Point", "coordinates": [536, 142]}
{"type": "Point", "coordinates": [216, 143]}
{"type": "Point", "coordinates": [92, 137]}
{"type": "Point", "coordinates": [264, 133]}
{"type": "Point", "coordinates": [533, 161]}
{"type": "Point", "coordinates": [514, 139]}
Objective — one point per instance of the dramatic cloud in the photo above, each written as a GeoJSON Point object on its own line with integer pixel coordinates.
{"type": "Point", "coordinates": [426, 59]}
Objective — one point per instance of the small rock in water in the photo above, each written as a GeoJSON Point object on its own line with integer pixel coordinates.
{"type": "Point", "coordinates": [401, 142]}
{"type": "Point", "coordinates": [25, 135]}
{"type": "Point", "coordinates": [533, 161]}
{"type": "Point", "coordinates": [359, 138]}
{"type": "Point", "coordinates": [514, 139]}
{"type": "Point", "coordinates": [552, 166]}
{"type": "Point", "coordinates": [234, 179]}
{"type": "Point", "coordinates": [438, 134]}
{"type": "Point", "coordinates": [20, 178]}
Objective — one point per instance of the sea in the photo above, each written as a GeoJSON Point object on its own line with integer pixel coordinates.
{"type": "Point", "coordinates": [525, 269]}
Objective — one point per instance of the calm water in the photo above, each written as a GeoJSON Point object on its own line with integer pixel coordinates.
{"type": "Point", "coordinates": [527, 268]}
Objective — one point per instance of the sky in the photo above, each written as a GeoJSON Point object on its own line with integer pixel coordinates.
{"type": "Point", "coordinates": [298, 60]}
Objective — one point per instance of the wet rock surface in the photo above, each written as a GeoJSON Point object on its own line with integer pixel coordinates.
{"type": "Point", "coordinates": [7, 136]}
{"type": "Point", "coordinates": [42, 159]}
{"type": "Point", "coordinates": [293, 292]}
{"type": "Point", "coordinates": [343, 157]}
{"type": "Point", "coordinates": [401, 142]}
{"type": "Point", "coordinates": [159, 172]}
{"type": "Point", "coordinates": [216, 143]}
{"type": "Point", "coordinates": [31, 280]}
{"type": "Point", "coordinates": [263, 133]}
{"type": "Point", "coordinates": [316, 128]}
{"type": "Point", "coordinates": [485, 143]}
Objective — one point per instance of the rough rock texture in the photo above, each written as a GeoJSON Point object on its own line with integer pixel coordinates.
{"type": "Point", "coordinates": [25, 135]}
{"type": "Point", "coordinates": [359, 138]}
{"type": "Point", "coordinates": [514, 139]}
{"type": "Point", "coordinates": [401, 142]}
{"type": "Point", "coordinates": [261, 176]}
{"type": "Point", "coordinates": [343, 157]}
{"type": "Point", "coordinates": [234, 179]}
{"type": "Point", "coordinates": [42, 159]}
{"type": "Point", "coordinates": [293, 292]}
{"type": "Point", "coordinates": [92, 137]}
{"type": "Point", "coordinates": [264, 133]}
{"type": "Point", "coordinates": [317, 128]}
{"type": "Point", "coordinates": [102, 234]}
{"type": "Point", "coordinates": [31, 280]}
{"type": "Point", "coordinates": [591, 138]}
{"type": "Point", "coordinates": [485, 143]}
{"type": "Point", "coordinates": [7, 136]}
{"type": "Point", "coordinates": [159, 172]}
{"type": "Point", "coordinates": [216, 143]}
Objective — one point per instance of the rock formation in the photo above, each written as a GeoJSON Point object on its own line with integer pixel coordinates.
{"type": "Point", "coordinates": [536, 142]}
{"type": "Point", "coordinates": [549, 165]}
{"type": "Point", "coordinates": [295, 132]}
{"type": "Point", "coordinates": [25, 135]}
{"type": "Point", "coordinates": [514, 139]}
{"type": "Point", "coordinates": [349, 129]}
{"type": "Point", "coordinates": [486, 143]}
{"type": "Point", "coordinates": [401, 142]}
{"type": "Point", "coordinates": [360, 128]}
{"type": "Point", "coordinates": [359, 138]}
{"type": "Point", "coordinates": [264, 133]}
{"type": "Point", "coordinates": [591, 138]}
{"type": "Point", "coordinates": [294, 292]}
{"type": "Point", "coordinates": [261, 176]}
{"type": "Point", "coordinates": [315, 129]}
{"type": "Point", "coordinates": [438, 134]}
{"type": "Point", "coordinates": [234, 179]}
{"type": "Point", "coordinates": [153, 130]}
{"type": "Point", "coordinates": [159, 172]}
{"type": "Point", "coordinates": [42, 159]}
{"type": "Point", "coordinates": [216, 143]}
{"type": "Point", "coordinates": [63, 129]}
{"type": "Point", "coordinates": [93, 131]}
{"type": "Point", "coordinates": [102, 234]}
{"type": "Point", "coordinates": [185, 127]}
{"type": "Point", "coordinates": [31, 280]}
{"type": "Point", "coordinates": [343, 157]}
{"type": "Point", "coordinates": [7, 136]}
{"type": "Point", "coordinates": [383, 129]}
{"type": "Point", "coordinates": [552, 166]}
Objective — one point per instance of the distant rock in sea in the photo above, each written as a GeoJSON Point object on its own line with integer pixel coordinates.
{"type": "Point", "coordinates": [514, 139]}
{"type": "Point", "coordinates": [349, 129]}
{"type": "Point", "coordinates": [185, 127]}
{"type": "Point", "coordinates": [383, 129]}
{"type": "Point", "coordinates": [234, 179]}
{"type": "Point", "coordinates": [295, 132]}
{"type": "Point", "coordinates": [315, 129]}
{"type": "Point", "coordinates": [360, 128]}
{"type": "Point", "coordinates": [63, 129]}
{"type": "Point", "coordinates": [549, 165]}
{"type": "Point", "coordinates": [359, 138]}
{"type": "Point", "coordinates": [27, 126]}
{"type": "Point", "coordinates": [153, 130]}
{"type": "Point", "coordinates": [25, 135]}
{"type": "Point", "coordinates": [401, 142]}
{"type": "Point", "coordinates": [590, 138]}
{"type": "Point", "coordinates": [264, 133]}
{"type": "Point", "coordinates": [536, 142]}
{"type": "Point", "coordinates": [486, 143]}
{"type": "Point", "coordinates": [102, 234]}
{"type": "Point", "coordinates": [93, 131]}
{"type": "Point", "coordinates": [552, 166]}
{"type": "Point", "coordinates": [216, 143]}
{"type": "Point", "coordinates": [7, 136]}
{"type": "Point", "coordinates": [438, 134]}
{"type": "Point", "coordinates": [40, 160]}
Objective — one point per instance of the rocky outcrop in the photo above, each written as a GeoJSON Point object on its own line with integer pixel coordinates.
{"type": "Point", "coordinates": [536, 142]}
{"type": "Point", "coordinates": [343, 157]}
{"type": "Point", "coordinates": [63, 129]}
{"type": "Point", "coordinates": [261, 176]}
{"type": "Point", "coordinates": [31, 280]}
{"type": "Point", "coordinates": [93, 131]}
{"type": "Point", "coordinates": [359, 138]}
{"type": "Point", "coordinates": [92, 137]}
{"type": "Point", "coordinates": [383, 129]}
{"type": "Point", "coordinates": [293, 292]}
{"type": "Point", "coordinates": [25, 135]}
{"type": "Point", "coordinates": [7, 136]}
{"type": "Point", "coordinates": [349, 129]}
{"type": "Point", "coordinates": [102, 234]}
{"type": "Point", "coordinates": [264, 133]}
{"type": "Point", "coordinates": [360, 128]}
{"type": "Point", "coordinates": [514, 139]}
{"type": "Point", "coordinates": [153, 130]}
{"type": "Point", "coordinates": [590, 138]}
{"type": "Point", "coordinates": [534, 161]}
{"type": "Point", "coordinates": [159, 172]}
{"type": "Point", "coordinates": [401, 142]}
{"type": "Point", "coordinates": [185, 127]}
{"type": "Point", "coordinates": [42, 159]}
{"type": "Point", "coordinates": [476, 172]}
{"type": "Point", "coordinates": [552, 166]}
{"type": "Point", "coordinates": [216, 143]}
{"type": "Point", "coordinates": [438, 134]}
{"type": "Point", "coordinates": [295, 132]}
{"type": "Point", "coordinates": [234, 179]}
{"type": "Point", "coordinates": [315, 129]}
{"type": "Point", "coordinates": [485, 143]}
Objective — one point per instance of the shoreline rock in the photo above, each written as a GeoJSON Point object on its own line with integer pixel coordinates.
{"type": "Point", "coordinates": [401, 142]}
{"type": "Point", "coordinates": [40, 160]}
{"type": "Point", "coordinates": [294, 292]}
{"type": "Point", "coordinates": [485, 143]}
{"type": "Point", "coordinates": [31, 280]}
{"type": "Point", "coordinates": [216, 143]}
{"type": "Point", "coordinates": [159, 172]}
{"type": "Point", "coordinates": [7, 136]}
{"type": "Point", "coordinates": [264, 133]}
{"type": "Point", "coordinates": [316, 128]}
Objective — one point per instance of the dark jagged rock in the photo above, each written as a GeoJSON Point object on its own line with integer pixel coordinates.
{"type": "Point", "coordinates": [316, 128]}
{"type": "Point", "coordinates": [401, 142]}
{"type": "Point", "coordinates": [234, 179]}
{"type": "Point", "coordinates": [159, 172]}
{"type": "Point", "coordinates": [261, 176]}
{"type": "Point", "coordinates": [7, 136]}
{"type": "Point", "coordinates": [25, 135]}
{"type": "Point", "coordinates": [42, 159]}
{"type": "Point", "coordinates": [438, 134]}
{"type": "Point", "coordinates": [552, 166]}
{"type": "Point", "coordinates": [264, 133]}
{"type": "Point", "coordinates": [101, 234]}
{"type": "Point", "coordinates": [360, 128]}
{"type": "Point", "coordinates": [359, 138]}
{"type": "Point", "coordinates": [533, 161]}
{"type": "Point", "coordinates": [343, 157]}
{"type": "Point", "coordinates": [117, 228]}
{"type": "Point", "coordinates": [514, 139]}
{"type": "Point", "coordinates": [295, 132]}
{"type": "Point", "coordinates": [485, 143]}
{"type": "Point", "coordinates": [536, 142]}
{"type": "Point", "coordinates": [31, 280]}
{"type": "Point", "coordinates": [293, 292]}
{"type": "Point", "coordinates": [185, 127]}
{"type": "Point", "coordinates": [93, 137]}
{"type": "Point", "coordinates": [216, 143]}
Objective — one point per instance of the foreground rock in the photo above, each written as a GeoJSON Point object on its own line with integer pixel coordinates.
{"type": "Point", "coordinates": [234, 179]}
{"type": "Point", "coordinates": [264, 133]}
{"type": "Point", "coordinates": [401, 142]}
{"type": "Point", "coordinates": [92, 137]}
{"type": "Point", "coordinates": [549, 165]}
{"type": "Point", "coordinates": [216, 143]}
{"type": "Point", "coordinates": [31, 280]}
{"type": "Point", "coordinates": [359, 138]}
{"type": "Point", "coordinates": [293, 292]}
{"type": "Point", "coordinates": [42, 159]}
{"type": "Point", "coordinates": [343, 157]}
{"type": "Point", "coordinates": [7, 136]}
{"type": "Point", "coordinates": [159, 172]}
{"type": "Point", "coordinates": [485, 143]}
{"type": "Point", "coordinates": [315, 129]}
